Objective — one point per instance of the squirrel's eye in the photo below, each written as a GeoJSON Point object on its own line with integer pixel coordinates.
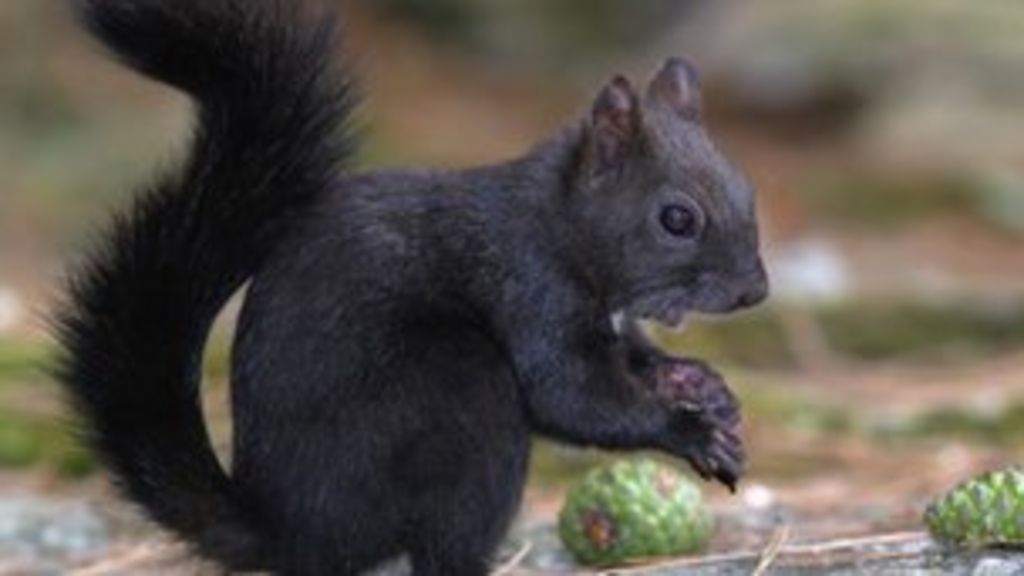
{"type": "Point", "coordinates": [679, 220]}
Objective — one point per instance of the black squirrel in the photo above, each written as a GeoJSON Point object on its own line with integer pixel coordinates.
{"type": "Point", "coordinates": [403, 332]}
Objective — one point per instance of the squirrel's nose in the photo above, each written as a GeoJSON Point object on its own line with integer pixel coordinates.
{"type": "Point", "coordinates": [751, 298]}
{"type": "Point", "coordinates": [754, 292]}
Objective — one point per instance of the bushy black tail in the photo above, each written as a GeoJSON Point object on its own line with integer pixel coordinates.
{"type": "Point", "coordinates": [271, 133]}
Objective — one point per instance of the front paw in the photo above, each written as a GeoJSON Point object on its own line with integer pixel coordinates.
{"type": "Point", "coordinates": [705, 419]}
{"type": "Point", "coordinates": [714, 451]}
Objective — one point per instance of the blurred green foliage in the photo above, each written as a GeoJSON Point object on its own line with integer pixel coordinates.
{"type": "Point", "coordinates": [554, 464]}
{"type": "Point", "coordinates": [870, 331]}
{"type": "Point", "coordinates": [890, 330]}
{"type": "Point", "coordinates": [546, 34]}
{"type": "Point", "coordinates": [42, 442]}
{"type": "Point", "coordinates": [22, 359]}
{"type": "Point", "coordinates": [886, 201]}
{"type": "Point", "coordinates": [803, 412]}
{"type": "Point", "coordinates": [1004, 427]}
{"type": "Point", "coordinates": [880, 49]}
{"type": "Point", "coordinates": [755, 339]}
{"type": "Point", "coordinates": [445, 20]}
{"type": "Point", "coordinates": [933, 84]}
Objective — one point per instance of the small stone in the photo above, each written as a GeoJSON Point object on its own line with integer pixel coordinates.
{"type": "Point", "coordinates": [758, 497]}
{"type": "Point", "coordinates": [995, 567]}
{"type": "Point", "coordinates": [43, 532]}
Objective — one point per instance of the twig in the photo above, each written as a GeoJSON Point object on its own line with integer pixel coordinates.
{"type": "Point", "coordinates": [771, 551]}
{"type": "Point", "coordinates": [514, 561]}
{"type": "Point", "coordinates": [851, 543]}
{"type": "Point", "coordinates": [689, 562]}
{"type": "Point", "coordinates": [788, 551]}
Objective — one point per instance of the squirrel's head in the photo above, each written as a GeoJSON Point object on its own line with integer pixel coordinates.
{"type": "Point", "coordinates": [671, 219]}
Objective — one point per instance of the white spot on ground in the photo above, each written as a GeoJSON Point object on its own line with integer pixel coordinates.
{"type": "Point", "coordinates": [758, 497]}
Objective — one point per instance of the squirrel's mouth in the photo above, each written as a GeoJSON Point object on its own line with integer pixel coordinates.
{"type": "Point", "coordinates": [668, 309]}
{"type": "Point", "coordinates": [633, 324]}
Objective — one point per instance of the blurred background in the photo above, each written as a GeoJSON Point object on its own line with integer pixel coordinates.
{"type": "Point", "coordinates": [885, 137]}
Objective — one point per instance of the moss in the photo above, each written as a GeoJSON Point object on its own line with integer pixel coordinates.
{"type": "Point", "coordinates": [20, 445]}
{"type": "Point", "coordinates": [1005, 428]}
{"type": "Point", "coordinates": [76, 463]}
{"type": "Point", "coordinates": [32, 441]}
{"type": "Point", "coordinates": [755, 340]}
{"type": "Point", "coordinates": [23, 360]}
{"type": "Point", "coordinates": [883, 201]}
{"type": "Point", "coordinates": [886, 330]}
{"type": "Point", "coordinates": [779, 407]}
{"type": "Point", "coordinates": [557, 465]}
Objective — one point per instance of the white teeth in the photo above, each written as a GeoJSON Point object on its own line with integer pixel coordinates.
{"type": "Point", "coordinates": [622, 323]}
{"type": "Point", "coordinates": [618, 320]}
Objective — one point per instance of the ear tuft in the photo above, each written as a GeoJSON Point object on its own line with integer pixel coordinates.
{"type": "Point", "coordinates": [614, 125]}
{"type": "Point", "coordinates": [616, 98]}
{"type": "Point", "coordinates": [677, 85]}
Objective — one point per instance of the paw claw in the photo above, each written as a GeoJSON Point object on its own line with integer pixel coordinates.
{"type": "Point", "coordinates": [705, 419]}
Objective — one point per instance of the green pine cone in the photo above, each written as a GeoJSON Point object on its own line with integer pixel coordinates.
{"type": "Point", "coordinates": [984, 511]}
{"type": "Point", "coordinates": [632, 510]}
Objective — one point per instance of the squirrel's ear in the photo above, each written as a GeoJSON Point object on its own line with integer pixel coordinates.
{"type": "Point", "coordinates": [613, 128]}
{"type": "Point", "coordinates": [677, 86]}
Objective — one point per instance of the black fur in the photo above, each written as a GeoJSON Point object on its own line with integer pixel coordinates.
{"type": "Point", "coordinates": [268, 142]}
{"type": "Point", "coordinates": [404, 332]}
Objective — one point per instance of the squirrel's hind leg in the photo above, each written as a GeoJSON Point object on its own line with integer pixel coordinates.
{"type": "Point", "coordinates": [466, 468]}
